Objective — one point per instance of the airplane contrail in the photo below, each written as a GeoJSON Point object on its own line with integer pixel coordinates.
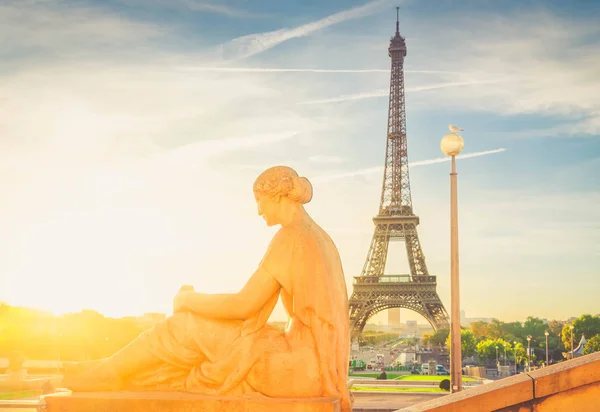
{"type": "Point", "coordinates": [297, 70]}
{"type": "Point", "coordinates": [249, 45]}
{"type": "Point", "coordinates": [379, 169]}
{"type": "Point", "coordinates": [385, 92]}
{"type": "Point", "coordinates": [448, 158]}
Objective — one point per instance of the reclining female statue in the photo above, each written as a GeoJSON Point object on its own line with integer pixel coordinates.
{"type": "Point", "coordinates": [221, 343]}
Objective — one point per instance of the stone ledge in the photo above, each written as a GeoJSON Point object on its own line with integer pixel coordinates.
{"type": "Point", "coordinates": [489, 397]}
{"type": "Point", "coordinates": [566, 382]}
{"type": "Point", "coordinates": [566, 375]}
{"type": "Point", "coordinates": [179, 402]}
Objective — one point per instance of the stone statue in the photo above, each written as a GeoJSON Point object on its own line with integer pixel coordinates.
{"type": "Point", "coordinates": [221, 344]}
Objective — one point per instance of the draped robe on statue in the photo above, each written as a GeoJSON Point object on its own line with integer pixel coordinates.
{"type": "Point", "coordinates": [227, 357]}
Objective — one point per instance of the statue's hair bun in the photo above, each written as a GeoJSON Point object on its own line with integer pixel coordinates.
{"type": "Point", "coordinates": [283, 181]}
{"type": "Point", "coordinates": [302, 191]}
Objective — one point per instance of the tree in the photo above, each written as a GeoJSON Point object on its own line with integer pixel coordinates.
{"type": "Point", "coordinates": [467, 343]}
{"type": "Point", "coordinates": [512, 331]}
{"type": "Point", "coordinates": [555, 327]}
{"type": "Point", "coordinates": [521, 352]}
{"type": "Point", "coordinates": [486, 350]}
{"type": "Point", "coordinates": [439, 337]}
{"type": "Point", "coordinates": [534, 327]}
{"type": "Point", "coordinates": [480, 330]}
{"type": "Point", "coordinates": [495, 329]}
{"type": "Point", "coordinates": [586, 324]}
{"type": "Point", "coordinates": [592, 345]}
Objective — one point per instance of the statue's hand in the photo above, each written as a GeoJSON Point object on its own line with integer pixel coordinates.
{"type": "Point", "coordinates": [186, 288]}
{"type": "Point", "coordinates": [180, 300]}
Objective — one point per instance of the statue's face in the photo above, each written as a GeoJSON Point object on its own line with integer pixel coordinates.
{"type": "Point", "coordinates": [267, 208]}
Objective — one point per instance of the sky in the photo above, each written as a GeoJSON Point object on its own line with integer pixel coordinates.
{"type": "Point", "coordinates": [131, 132]}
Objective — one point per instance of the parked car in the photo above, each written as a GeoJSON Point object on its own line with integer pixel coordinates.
{"type": "Point", "coordinates": [425, 369]}
{"type": "Point", "coordinates": [441, 370]}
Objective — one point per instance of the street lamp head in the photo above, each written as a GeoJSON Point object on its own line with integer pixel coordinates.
{"type": "Point", "coordinates": [452, 144]}
{"type": "Point", "coordinates": [528, 338]}
{"type": "Point", "coordinates": [571, 327]}
{"type": "Point", "coordinates": [546, 333]}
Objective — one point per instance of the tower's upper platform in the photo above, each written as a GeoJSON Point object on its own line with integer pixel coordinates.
{"type": "Point", "coordinates": [397, 43]}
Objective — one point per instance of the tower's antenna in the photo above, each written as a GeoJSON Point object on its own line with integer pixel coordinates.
{"type": "Point", "coordinates": [397, 20]}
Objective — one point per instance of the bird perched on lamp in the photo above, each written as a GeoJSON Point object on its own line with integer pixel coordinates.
{"type": "Point", "coordinates": [454, 129]}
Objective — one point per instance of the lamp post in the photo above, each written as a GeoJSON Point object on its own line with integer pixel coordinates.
{"type": "Point", "coordinates": [452, 144]}
{"type": "Point", "coordinates": [505, 360]}
{"type": "Point", "coordinates": [516, 367]}
{"type": "Point", "coordinates": [571, 327]}
{"type": "Point", "coordinates": [546, 333]}
{"type": "Point", "coordinates": [528, 353]}
{"type": "Point", "coordinates": [496, 355]}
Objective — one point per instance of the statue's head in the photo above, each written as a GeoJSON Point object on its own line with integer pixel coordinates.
{"type": "Point", "coordinates": [278, 190]}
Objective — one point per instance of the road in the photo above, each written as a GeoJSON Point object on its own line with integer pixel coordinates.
{"type": "Point", "coordinates": [367, 355]}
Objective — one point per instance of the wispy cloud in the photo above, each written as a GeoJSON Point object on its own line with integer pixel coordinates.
{"type": "Point", "coordinates": [202, 150]}
{"type": "Point", "coordinates": [379, 169]}
{"type": "Point", "coordinates": [276, 70]}
{"type": "Point", "coordinates": [385, 92]}
{"type": "Point", "coordinates": [298, 70]}
{"type": "Point", "coordinates": [544, 82]}
{"type": "Point", "coordinates": [195, 5]}
{"type": "Point", "coordinates": [252, 44]}
{"type": "Point", "coordinates": [325, 159]}
{"type": "Point", "coordinates": [55, 25]}
{"type": "Point", "coordinates": [347, 97]}
{"type": "Point", "coordinates": [447, 159]}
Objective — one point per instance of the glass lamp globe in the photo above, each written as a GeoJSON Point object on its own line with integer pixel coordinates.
{"type": "Point", "coordinates": [452, 144]}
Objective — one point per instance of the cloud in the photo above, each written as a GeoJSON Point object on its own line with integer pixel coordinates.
{"type": "Point", "coordinates": [556, 74]}
{"type": "Point", "coordinates": [462, 156]}
{"type": "Point", "coordinates": [349, 97]}
{"type": "Point", "coordinates": [385, 92]}
{"type": "Point", "coordinates": [39, 26]}
{"type": "Point", "coordinates": [276, 70]}
{"type": "Point", "coordinates": [195, 5]}
{"type": "Point", "coordinates": [379, 169]}
{"type": "Point", "coordinates": [246, 46]}
{"type": "Point", "coordinates": [325, 159]}
{"type": "Point", "coordinates": [124, 168]}
{"type": "Point", "coordinates": [297, 70]}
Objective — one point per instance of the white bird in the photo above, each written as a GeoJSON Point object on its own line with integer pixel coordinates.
{"type": "Point", "coordinates": [454, 129]}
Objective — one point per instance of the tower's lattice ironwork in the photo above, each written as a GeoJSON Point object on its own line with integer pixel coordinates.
{"type": "Point", "coordinates": [373, 290]}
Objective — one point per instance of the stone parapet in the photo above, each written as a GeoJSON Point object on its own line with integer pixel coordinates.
{"type": "Point", "coordinates": [178, 402]}
{"type": "Point", "coordinates": [572, 385]}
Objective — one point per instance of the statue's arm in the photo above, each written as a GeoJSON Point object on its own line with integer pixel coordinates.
{"type": "Point", "coordinates": [254, 295]}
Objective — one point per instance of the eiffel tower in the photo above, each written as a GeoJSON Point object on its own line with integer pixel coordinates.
{"type": "Point", "coordinates": [374, 291]}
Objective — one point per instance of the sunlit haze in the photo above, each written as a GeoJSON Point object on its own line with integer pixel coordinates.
{"type": "Point", "coordinates": [131, 133]}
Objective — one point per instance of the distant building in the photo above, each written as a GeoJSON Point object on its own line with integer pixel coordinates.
{"type": "Point", "coordinates": [463, 318]}
{"type": "Point", "coordinates": [464, 321]}
{"type": "Point", "coordinates": [394, 317]}
{"type": "Point", "coordinates": [411, 329]}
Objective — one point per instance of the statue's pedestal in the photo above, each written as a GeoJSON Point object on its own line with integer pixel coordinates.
{"type": "Point", "coordinates": [179, 402]}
